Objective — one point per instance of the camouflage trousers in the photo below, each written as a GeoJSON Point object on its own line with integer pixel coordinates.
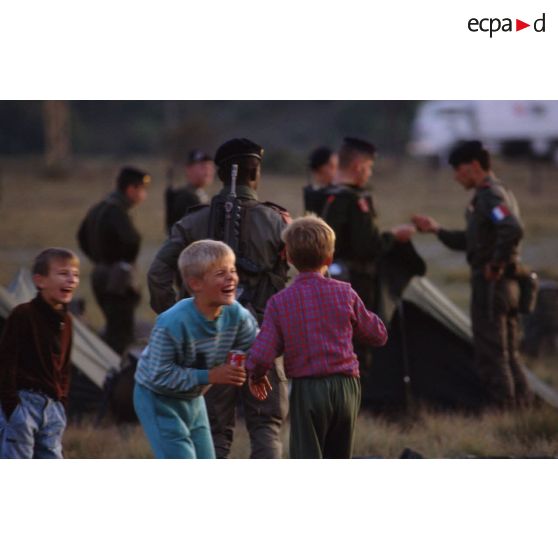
{"type": "Point", "coordinates": [496, 335]}
{"type": "Point", "coordinates": [118, 310]}
{"type": "Point", "coordinates": [264, 419]}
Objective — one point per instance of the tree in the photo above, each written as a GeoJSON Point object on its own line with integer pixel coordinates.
{"type": "Point", "coordinates": [56, 122]}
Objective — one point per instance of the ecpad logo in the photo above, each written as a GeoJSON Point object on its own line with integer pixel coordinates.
{"type": "Point", "coordinates": [493, 25]}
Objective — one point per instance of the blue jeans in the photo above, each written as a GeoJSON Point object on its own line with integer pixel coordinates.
{"type": "Point", "coordinates": [34, 429]}
{"type": "Point", "coordinates": [175, 428]}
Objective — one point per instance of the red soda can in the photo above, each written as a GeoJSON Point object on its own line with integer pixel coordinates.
{"type": "Point", "coordinates": [236, 358]}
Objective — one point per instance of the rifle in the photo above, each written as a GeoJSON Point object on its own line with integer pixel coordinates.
{"type": "Point", "coordinates": [231, 233]}
{"type": "Point", "coordinates": [232, 215]}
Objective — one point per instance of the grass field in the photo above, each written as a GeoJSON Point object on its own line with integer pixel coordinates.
{"type": "Point", "coordinates": [527, 434]}
{"type": "Point", "coordinates": [36, 212]}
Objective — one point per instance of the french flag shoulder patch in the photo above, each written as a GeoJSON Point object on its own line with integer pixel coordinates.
{"type": "Point", "coordinates": [499, 213]}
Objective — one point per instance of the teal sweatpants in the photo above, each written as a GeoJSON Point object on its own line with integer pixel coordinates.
{"type": "Point", "coordinates": [323, 416]}
{"type": "Point", "coordinates": [175, 428]}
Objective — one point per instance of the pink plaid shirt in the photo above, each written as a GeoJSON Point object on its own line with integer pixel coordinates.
{"type": "Point", "coordinates": [312, 324]}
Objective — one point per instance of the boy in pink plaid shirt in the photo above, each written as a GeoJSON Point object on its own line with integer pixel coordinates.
{"type": "Point", "coordinates": [312, 324]}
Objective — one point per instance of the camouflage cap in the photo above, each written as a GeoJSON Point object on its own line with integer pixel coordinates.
{"type": "Point", "coordinates": [236, 148]}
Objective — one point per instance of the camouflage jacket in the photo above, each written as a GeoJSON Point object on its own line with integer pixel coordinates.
{"type": "Point", "coordinates": [179, 200]}
{"type": "Point", "coordinates": [350, 212]}
{"type": "Point", "coordinates": [261, 243]}
{"type": "Point", "coordinates": [107, 234]}
{"type": "Point", "coordinates": [494, 228]}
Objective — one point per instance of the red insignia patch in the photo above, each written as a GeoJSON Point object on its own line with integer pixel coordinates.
{"type": "Point", "coordinates": [363, 205]}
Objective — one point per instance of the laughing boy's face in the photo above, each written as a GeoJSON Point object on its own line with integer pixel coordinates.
{"type": "Point", "coordinates": [219, 283]}
{"type": "Point", "coordinates": [57, 288]}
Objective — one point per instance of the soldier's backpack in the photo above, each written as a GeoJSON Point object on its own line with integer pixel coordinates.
{"type": "Point", "coordinates": [257, 282]}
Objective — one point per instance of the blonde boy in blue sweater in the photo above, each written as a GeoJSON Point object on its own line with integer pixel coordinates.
{"type": "Point", "coordinates": [187, 352]}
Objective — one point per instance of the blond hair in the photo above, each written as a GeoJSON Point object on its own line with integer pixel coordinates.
{"type": "Point", "coordinates": [200, 256]}
{"type": "Point", "coordinates": [310, 242]}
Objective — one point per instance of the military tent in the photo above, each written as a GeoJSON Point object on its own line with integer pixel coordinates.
{"type": "Point", "coordinates": [429, 357]}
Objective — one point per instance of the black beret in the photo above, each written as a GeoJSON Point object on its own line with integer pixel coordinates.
{"type": "Point", "coordinates": [197, 156]}
{"type": "Point", "coordinates": [132, 175]}
{"type": "Point", "coordinates": [466, 152]}
{"type": "Point", "coordinates": [238, 147]}
{"type": "Point", "coordinates": [319, 157]}
{"type": "Point", "coordinates": [359, 145]}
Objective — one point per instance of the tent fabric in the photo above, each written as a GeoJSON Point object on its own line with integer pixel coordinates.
{"type": "Point", "coordinates": [424, 361]}
{"type": "Point", "coordinates": [429, 357]}
{"type": "Point", "coordinates": [429, 298]}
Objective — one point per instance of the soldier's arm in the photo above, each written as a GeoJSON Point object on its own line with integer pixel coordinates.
{"type": "Point", "coordinates": [509, 229]}
{"type": "Point", "coordinates": [387, 240]}
{"type": "Point", "coordinates": [367, 240]}
{"type": "Point", "coordinates": [269, 229]}
{"type": "Point", "coordinates": [162, 272]}
{"type": "Point", "coordinates": [126, 235]}
{"type": "Point", "coordinates": [182, 200]}
{"type": "Point", "coordinates": [456, 240]}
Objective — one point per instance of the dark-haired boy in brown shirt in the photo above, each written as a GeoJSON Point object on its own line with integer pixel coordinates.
{"type": "Point", "coordinates": [35, 361]}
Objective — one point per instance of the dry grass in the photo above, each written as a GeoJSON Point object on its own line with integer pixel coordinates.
{"type": "Point", "coordinates": [531, 433]}
{"type": "Point", "coordinates": [527, 434]}
{"type": "Point", "coordinates": [84, 441]}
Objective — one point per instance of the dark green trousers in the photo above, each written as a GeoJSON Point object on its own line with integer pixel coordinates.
{"type": "Point", "coordinates": [496, 335]}
{"type": "Point", "coordinates": [323, 416]}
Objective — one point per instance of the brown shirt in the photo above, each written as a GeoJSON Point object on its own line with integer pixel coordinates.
{"type": "Point", "coordinates": [35, 352]}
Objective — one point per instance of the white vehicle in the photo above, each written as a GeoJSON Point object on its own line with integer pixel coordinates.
{"type": "Point", "coordinates": [511, 128]}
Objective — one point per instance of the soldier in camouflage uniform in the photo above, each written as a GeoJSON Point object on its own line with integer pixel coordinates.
{"type": "Point", "coordinates": [200, 172]}
{"type": "Point", "coordinates": [350, 211]}
{"type": "Point", "coordinates": [322, 163]}
{"type": "Point", "coordinates": [262, 270]}
{"type": "Point", "coordinates": [109, 238]}
{"type": "Point", "coordinates": [491, 241]}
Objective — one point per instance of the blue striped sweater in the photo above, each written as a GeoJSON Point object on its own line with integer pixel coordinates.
{"type": "Point", "coordinates": [184, 346]}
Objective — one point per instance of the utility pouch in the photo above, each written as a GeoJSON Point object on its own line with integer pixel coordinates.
{"type": "Point", "coordinates": [121, 279]}
{"type": "Point", "coordinates": [528, 290]}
